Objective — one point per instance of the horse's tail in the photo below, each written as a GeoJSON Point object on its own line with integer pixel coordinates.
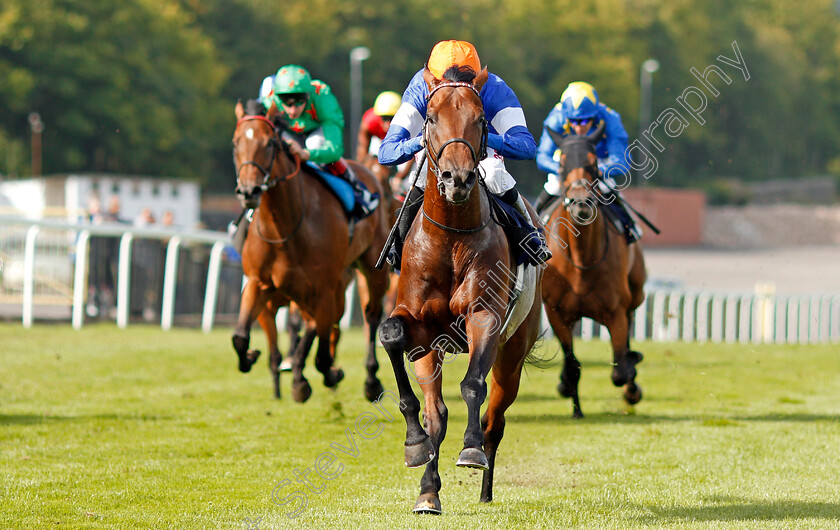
{"type": "Point", "coordinates": [544, 359]}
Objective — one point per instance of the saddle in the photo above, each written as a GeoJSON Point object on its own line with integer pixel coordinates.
{"type": "Point", "coordinates": [523, 239]}
{"type": "Point", "coordinates": [356, 200]}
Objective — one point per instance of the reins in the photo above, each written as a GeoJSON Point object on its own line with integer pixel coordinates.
{"type": "Point", "coordinates": [268, 182]}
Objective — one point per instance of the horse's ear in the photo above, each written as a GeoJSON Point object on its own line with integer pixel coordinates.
{"type": "Point", "coordinates": [239, 109]}
{"type": "Point", "coordinates": [598, 133]}
{"type": "Point", "coordinates": [272, 111]}
{"type": "Point", "coordinates": [430, 78]}
{"type": "Point", "coordinates": [480, 79]}
{"type": "Point", "coordinates": [555, 136]}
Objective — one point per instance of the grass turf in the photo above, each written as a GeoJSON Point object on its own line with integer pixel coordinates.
{"type": "Point", "coordinates": [139, 428]}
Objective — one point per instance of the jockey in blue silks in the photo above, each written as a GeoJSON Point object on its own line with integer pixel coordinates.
{"type": "Point", "coordinates": [508, 136]}
{"type": "Point", "coordinates": [579, 112]}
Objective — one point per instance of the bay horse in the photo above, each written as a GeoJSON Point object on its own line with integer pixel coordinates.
{"type": "Point", "coordinates": [299, 249]}
{"type": "Point", "coordinates": [454, 288]}
{"type": "Point", "coordinates": [593, 273]}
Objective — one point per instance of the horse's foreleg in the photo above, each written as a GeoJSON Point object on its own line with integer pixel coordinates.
{"type": "Point", "coordinates": [624, 362]}
{"type": "Point", "coordinates": [503, 390]}
{"type": "Point", "coordinates": [483, 349]}
{"type": "Point", "coordinates": [570, 375]}
{"type": "Point", "coordinates": [252, 304]}
{"type": "Point", "coordinates": [268, 322]}
{"type": "Point", "coordinates": [418, 448]}
{"type": "Point", "coordinates": [435, 415]}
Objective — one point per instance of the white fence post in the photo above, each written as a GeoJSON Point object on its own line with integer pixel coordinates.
{"type": "Point", "coordinates": [745, 331]}
{"type": "Point", "coordinates": [689, 317]}
{"type": "Point", "coordinates": [211, 294]}
{"type": "Point", "coordinates": [80, 279]}
{"type": "Point", "coordinates": [29, 275]}
{"type": "Point", "coordinates": [674, 314]}
{"type": "Point", "coordinates": [170, 282]}
{"type": "Point", "coordinates": [640, 320]}
{"type": "Point", "coordinates": [124, 280]}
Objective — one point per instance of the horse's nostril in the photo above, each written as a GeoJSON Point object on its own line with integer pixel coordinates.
{"type": "Point", "coordinates": [446, 175]}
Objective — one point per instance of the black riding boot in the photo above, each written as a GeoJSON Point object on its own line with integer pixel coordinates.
{"type": "Point", "coordinates": [631, 230]}
{"type": "Point", "coordinates": [413, 202]}
{"type": "Point", "coordinates": [534, 246]}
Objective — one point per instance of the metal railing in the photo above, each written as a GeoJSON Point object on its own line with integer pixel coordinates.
{"type": "Point", "coordinates": [69, 276]}
{"type": "Point", "coordinates": [718, 317]}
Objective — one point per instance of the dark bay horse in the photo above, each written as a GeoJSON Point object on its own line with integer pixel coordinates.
{"type": "Point", "coordinates": [594, 273]}
{"type": "Point", "coordinates": [454, 289]}
{"type": "Point", "coordinates": [299, 249]}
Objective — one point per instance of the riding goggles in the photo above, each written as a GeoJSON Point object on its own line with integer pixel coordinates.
{"type": "Point", "coordinates": [579, 121]}
{"type": "Point", "coordinates": [294, 100]}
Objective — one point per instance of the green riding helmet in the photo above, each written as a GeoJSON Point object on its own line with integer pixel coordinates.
{"type": "Point", "coordinates": [292, 79]}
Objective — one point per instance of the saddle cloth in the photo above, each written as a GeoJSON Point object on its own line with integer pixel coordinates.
{"type": "Point", "coordinates": [357, 201]}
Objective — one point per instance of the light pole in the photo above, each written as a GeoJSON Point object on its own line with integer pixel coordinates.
{"type": "Point", "coordinates": [646, 92]}
{"type": "Point", "coordinates": [357, 55]}
{"type": "Point", "coordinates": [37, 128]}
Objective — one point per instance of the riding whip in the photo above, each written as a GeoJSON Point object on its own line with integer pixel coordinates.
{"type": "Point", "coordinates": [391, 235]}
{"type": "Point", "coordinates": [640, 216]}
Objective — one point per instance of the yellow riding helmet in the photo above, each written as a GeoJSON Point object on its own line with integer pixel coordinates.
{"type": "Point", "coordinates": [450, 53]}
{"type": "Point", "coordinates": [387, 103]}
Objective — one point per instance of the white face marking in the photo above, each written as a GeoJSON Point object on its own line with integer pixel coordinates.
{"type": "Point", "coordinates": [249, 134]}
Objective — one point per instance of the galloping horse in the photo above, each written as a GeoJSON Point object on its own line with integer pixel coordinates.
{"type": "Point", "coordinates": [594, 272]}
{"type": "Point", "coordinates": [454, 289]}
{"type": "Point", "coordinates": [299, 249]}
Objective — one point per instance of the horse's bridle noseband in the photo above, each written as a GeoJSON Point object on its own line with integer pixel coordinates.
{"type": "Point", "coordinates": [476, 156]}
{"type": "Point", "coordinates": [274, 143]}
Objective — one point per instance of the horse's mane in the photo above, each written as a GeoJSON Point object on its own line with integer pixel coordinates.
{"type": "Point", "coordinates": [254, 107]}
{"type": "Point", "coordinates": [459, 74]}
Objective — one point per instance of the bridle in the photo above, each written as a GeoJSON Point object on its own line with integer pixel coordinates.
{"type": "Point", "coordinates": [477, 157]}
{"type": "Point", "coordinates": [482, 149]}
{"type": "Point", "coordinates": [274, 143]}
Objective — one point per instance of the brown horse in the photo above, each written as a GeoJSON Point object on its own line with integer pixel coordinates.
{"type": "Point", "coordinates": [299, 249]}
{"type": "Point", "coordinates": [594, 272]}
{"type": "Point", "coordinates": [454, 289]}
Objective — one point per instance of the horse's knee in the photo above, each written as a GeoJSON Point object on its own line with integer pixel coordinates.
{"type": "Point", "coordinates": [392, 335]}
{"type": "Point", "coordinates": [473, 388]}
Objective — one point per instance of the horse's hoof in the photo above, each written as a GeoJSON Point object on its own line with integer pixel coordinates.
{"type": "Point", "coordinates": [333, 377]}
{"type": "Point", "coordinates": [301, 391]}
{"type": "Point", "coordinates": [473, 457]}
{"type": "Point", "coordinates": [240, 344]}
{"type": "Point", "coordinates": [632, 393]}
{"type": "Point", "coordinates": [373, 390]}
{"type": "Point", "coordinates": [419, 454]}
{"type": "Point", "coordinates": [634, 357]}
{"type": "Point", "coordinates": [428, 503]}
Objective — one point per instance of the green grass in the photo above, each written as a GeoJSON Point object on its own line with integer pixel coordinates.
{"type": "Point", "coordinates": [139, 428]}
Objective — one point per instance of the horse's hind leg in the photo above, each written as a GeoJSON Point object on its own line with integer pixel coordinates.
{"type": "Point", "coordinates": [570, 375]}
{"type": "Point", "coordinates": [324, 359]}
{"type": "Point", "coordinates": [632, 391]}
{"type": "Point", "coordinates": [503, 390]}
{"type": "Point", "coordinates": [371, 291]}
{"type": "Point", "coordinates": [253, 302]}
{"type": "Point", "coordinates": [624, 360]}
{"type": "Point", "coordinates": [301, 389]}
{"type": "Point", "coordinates": [435, 415]}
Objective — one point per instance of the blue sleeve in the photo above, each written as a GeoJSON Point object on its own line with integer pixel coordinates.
{"type": "Point", "coordinates": [616, 143]}
{"type": "Point", "coordinates": [403, 137]}
{"type": "Point", "coordinates": [509, 134]}
{"type": "Point", "coordinates": [547, 148]}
